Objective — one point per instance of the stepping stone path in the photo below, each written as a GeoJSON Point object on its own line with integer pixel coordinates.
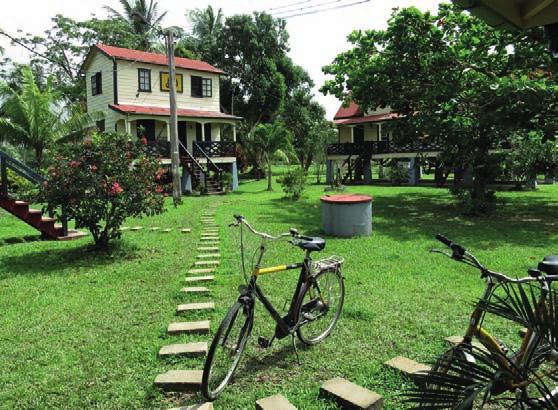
{"type": "Point", "coordinates": [203, 270]}
{"type": "Point", "coordinates": [155, 228]}
{"type": "Point", "coordinates": [191, 307]}
{"type": "Point", "coordinates": [136, 228]}
{"type": "Point", "coordinates": [191, 279]}
{"type": "Point", "coordinates": [350, 396]}
{"type": "Point", "coordinates": [407, 366]}
{"type": "Point", "coordinates": [205, 263]}
{"type": "Point", "coordinates": [456, 340]}
{"type": "Point", "coordinates": [276, 402]}
{"type": "Point", "coordinates": [209, 255]}
{"type": "Point", "coordinates": [179, 379]}
{"type": "Point", "coordinates": [178, 328]}
{"type": "Point", "coordinates": [203, 406]}
{"type": "Point", "coordinates": [184, 349]}
{"type": "Point", "coordinates": [196, 289]}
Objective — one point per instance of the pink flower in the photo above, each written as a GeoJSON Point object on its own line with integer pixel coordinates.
{"type": "Point", "coordinates": [144, 141]}
{"type": "Point", "coordinates": [45, 184]}
{"type": "Point", "coordinates": [75, 164]}
{"type": "Point", "coordinates": [159, 189]}
{"type": "Point", "coordinates": [115, 189]}
{"type": "Point", "coordinates": [93, 168]}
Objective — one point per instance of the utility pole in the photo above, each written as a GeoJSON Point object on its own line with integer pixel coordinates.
{"type": "Point", "coordinates": [175, 156]}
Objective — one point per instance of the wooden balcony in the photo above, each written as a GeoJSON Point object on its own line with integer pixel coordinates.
{"type": "Point", "coordinates": [381, 147]}
{"type": "Point", "coordinates": [215, 149]}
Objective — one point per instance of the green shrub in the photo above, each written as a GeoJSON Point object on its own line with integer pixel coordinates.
{"type": "Point", "coordinates": [293, 183]}
{"type": "Point", "coordinates": [398, 174]}
{"type": "Point", "coordinates": [21, 188]}
{"type": "Point", "coordinates": [102, 182]}
{"type": "Point", "coordinates": [226, 179]}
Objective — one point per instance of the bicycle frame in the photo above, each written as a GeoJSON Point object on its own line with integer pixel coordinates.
{"type": "Point", "coordinates": [288, 324]}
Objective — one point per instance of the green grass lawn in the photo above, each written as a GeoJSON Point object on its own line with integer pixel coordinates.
{"type": "Point", "coordinates": [82, 330]}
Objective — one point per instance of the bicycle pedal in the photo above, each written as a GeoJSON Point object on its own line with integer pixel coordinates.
{"type": "Point", "coordinates": [263, 342]}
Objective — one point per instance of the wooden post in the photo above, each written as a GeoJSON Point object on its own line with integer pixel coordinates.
{"type": "Point", "coordinates": [175, 157]}
{"type": "Point", "coordinates": [3, 176]}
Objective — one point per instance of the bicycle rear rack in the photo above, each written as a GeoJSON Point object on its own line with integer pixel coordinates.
{"type": "Point", "coordinates": [332, 262]}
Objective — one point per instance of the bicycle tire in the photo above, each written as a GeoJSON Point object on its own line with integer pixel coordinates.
{"type": "Point", "coordinates": [306, 309]}
{"type": "Point", "coordinates": [226, 331]}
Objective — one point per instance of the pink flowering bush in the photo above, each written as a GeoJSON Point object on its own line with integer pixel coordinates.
{"type": "Point", "coordinates": [102, 182]}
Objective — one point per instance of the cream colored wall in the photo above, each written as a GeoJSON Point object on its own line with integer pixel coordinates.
{"type": "Point", "coordinates": [344, 133]}
{"type": "Point", "coordinates": [100, 102]}
{"type": "Point", "coordinates": [370, 132]}
{"type": "Point", "coordinates": [128, 88]}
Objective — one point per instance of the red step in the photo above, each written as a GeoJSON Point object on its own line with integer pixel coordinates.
{"type": "Point", "coordinates": [35, 218]}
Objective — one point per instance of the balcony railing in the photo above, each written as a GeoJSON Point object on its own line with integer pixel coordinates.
{"type": "Point", "coordinates": [381, 147]}
{"type": "Point", "coordinates": [159, 147]}
{"type": "Point", "coordinates": [215, 148]}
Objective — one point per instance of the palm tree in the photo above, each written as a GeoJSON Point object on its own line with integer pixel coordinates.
{"type": "Point", "coordinates": [271, 139]}
{"type": "Point", "coordinates": [148, 11]}
{"type": "Point", "coordinates": [206, 27]}
{"type": "Point", "coordinates": [37, 119]}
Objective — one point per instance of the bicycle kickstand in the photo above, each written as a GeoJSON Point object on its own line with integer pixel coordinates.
{"type": "Point", "coordinates": [296, 350]}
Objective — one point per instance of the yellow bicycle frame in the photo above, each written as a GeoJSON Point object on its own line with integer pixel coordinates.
{"type": "Point", "coordinates": [262, 271]}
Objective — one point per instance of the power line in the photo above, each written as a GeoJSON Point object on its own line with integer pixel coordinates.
{"type": "Point", "coordinates": [20, 43]}
{"type": "Point", "coordinates": [296, 3]}
{"type": "Point", "coordinates": [312, 6]}
{"type": "Point", "coordinates": [326, 9]}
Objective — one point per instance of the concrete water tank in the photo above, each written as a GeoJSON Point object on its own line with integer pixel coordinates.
{"type": "Point", "coordinates": [347, 215]}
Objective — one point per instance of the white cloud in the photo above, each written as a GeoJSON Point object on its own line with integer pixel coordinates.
{"type": "Point", "coordinates": [315, 39]}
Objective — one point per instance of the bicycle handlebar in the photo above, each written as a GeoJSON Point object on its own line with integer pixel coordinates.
{"type": "Point", "coordinates": [241, 220]}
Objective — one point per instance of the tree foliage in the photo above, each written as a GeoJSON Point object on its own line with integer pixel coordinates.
{"type": "Point", "coordinates": [37, 119]}
{"type": "Point", "coordinates": [268, 139]}
{"type": "Point", "coordinates": [454, 79]}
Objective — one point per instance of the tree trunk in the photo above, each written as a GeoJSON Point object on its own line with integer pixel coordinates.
{"type": "Point", "coordinates": [269, 188]}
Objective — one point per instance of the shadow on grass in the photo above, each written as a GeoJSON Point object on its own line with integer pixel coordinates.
{"type": "Point", "coordinates": [20, 239]}
{"type": "Point", "coordinates": [411, 216]}
{"type": "Point", "coordinates": [37, 262]}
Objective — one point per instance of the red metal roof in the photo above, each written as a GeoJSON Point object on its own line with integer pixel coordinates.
{"type": "Point", "coordinates": [155, 58]}
{"type": "Point", "coordinates": [162, 111]}
{"type": "Point", "coordinates": [353, 110]}
{"type": "Point", "coordinates": [367, 118]}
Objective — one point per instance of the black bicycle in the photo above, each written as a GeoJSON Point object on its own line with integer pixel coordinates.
{"type": "Point", "coordinates": [314, 310]}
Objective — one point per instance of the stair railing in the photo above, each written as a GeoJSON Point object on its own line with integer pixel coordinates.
{"type": "Point", "coordinates": [210, 164]}
{"type": "Point", "coordinates": [26, 172]}
{"type": "Point", "coordinates": [193, 161]}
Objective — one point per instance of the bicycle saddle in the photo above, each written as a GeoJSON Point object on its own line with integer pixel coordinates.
{"type": "Point", "coordinates": [549, 265]}
{"type": "Point", "coordinates": [312, 244]}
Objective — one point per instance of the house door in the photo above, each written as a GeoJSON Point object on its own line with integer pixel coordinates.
{"type": "Point", "coordinates": [207, 131]}
{"type": "Point", "coordinates": [146, 128]}
{"type": "Point", "coordinates": [182, 133]}
{"type": "Point", "coordinates": [358, 134]}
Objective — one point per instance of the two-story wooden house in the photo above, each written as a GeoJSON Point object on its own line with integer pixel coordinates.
{"type": "Point", "coordinates": [131, 88]}
{"type": "Point", "coordinates": [364, 138]}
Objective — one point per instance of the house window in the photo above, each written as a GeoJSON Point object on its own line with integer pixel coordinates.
{"type": "Point", "coordinates": [144, 79]}
{"type": "Point", "coordinates": [201, 87]}
{"type": "Point", "coordinates": [96, 84]}
{"type": "Point", "coordinates": [100, 125]}
{"type": "Point", "coordinates": [164, 82]}
{"type": "Point", "coordinates": [383, 133]}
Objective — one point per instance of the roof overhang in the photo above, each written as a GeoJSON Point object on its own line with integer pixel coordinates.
{"type": "Point", "coordinates": [513, 14]}
{"type": "Point", "coordinates": [165, 112]}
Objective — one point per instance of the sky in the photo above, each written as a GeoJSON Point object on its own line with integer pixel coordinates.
{"type": "Point", "coordinates": [315, 39]}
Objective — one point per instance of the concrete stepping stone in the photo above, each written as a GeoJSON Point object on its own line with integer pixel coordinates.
{"type": "Point", "coordinates": [210, 242]}
{"type": "Point", "coordinates": [178, 328]}
{"type": "Point", "coordinates": [276, 402]}
{"type": "Point", "coordinates": [124, 228]}
{"type": "Point", "coordinates": [167, 230]}
{"type": "Point", "coordinates": [204, 270]}
{"type": "Point", "coordinates": [208, 248]}
{"type": "Point", "coordinates": [193, 279]}
{"type": "Point", "coordinates": [456, 340]}
{"type": "Point", "coordinates": [195, 289]}
{"type": "Point", "coordinates": [186, 230]}
{"type": "Point", "coordinates": [203, 406]}
{"type": "Point", "coordinates": [184, 349]}
{"type": "Point", "coordinates": [210, 238]}
{"type": "Point", "coordinates": [178, 380]}
{"type": "Point", "coordinates": [192, 307]}
{"type": "Point", "coordinates": [206, 263]}
{"type": "Point", "coordinates": [407, 366]}
{"type": "Point", "coordinates": [209, 255]}
{"type": "Point", "coordinates": [136, 228]}
{"type": "Point", "coordinates": [154, 228]}
{"type": "Point", "coordinates": [350, 396]}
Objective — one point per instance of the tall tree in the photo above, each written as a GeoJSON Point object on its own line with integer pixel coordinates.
{"type": "Point", "coordinates": [454, 79]}
{"type": "Point", "coordinates": [206, 29]}
{"type": "Point", "coordinates": [37, 119]}
{"type": "Point", "coordinates": [271, 138]}
{"type": "Point", "coordinates": [150, 13]}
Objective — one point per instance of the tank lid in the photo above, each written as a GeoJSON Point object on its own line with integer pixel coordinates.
{"type": "Point", "coordinates": [346, 199]}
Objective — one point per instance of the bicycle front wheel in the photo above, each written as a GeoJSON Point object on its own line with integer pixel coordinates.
{"type": "Point", "coordinates": [319, 306]}
{"type": "Point", "coordinates": [226, 350]}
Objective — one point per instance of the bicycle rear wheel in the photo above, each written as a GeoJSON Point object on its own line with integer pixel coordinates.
{"type": "Point", "coordinates": [226, 350]}
{"type": "Point", "coordinates": [320, 305]}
